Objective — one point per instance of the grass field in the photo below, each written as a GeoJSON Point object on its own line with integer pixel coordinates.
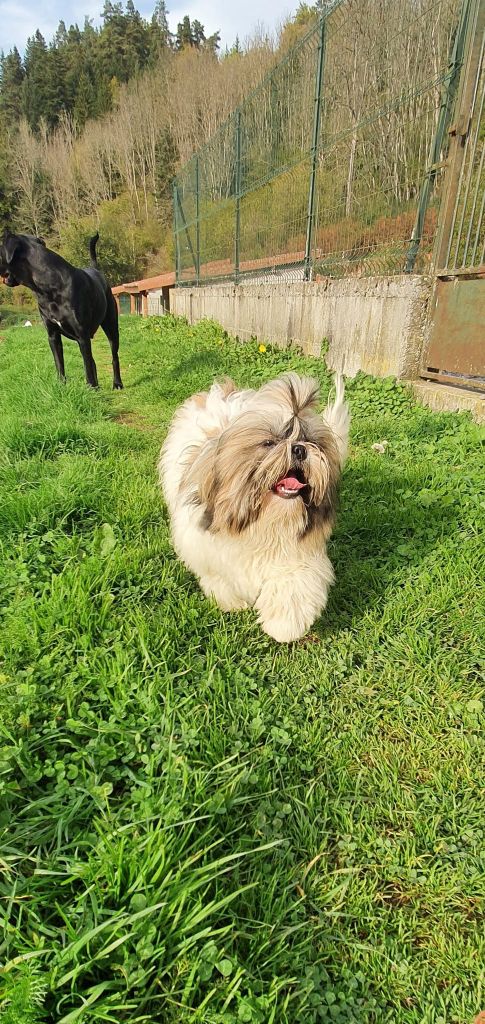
{"type": "Point", "coordinates": [199, 825]}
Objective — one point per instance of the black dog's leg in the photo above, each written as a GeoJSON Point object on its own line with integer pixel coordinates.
{"type": "Point", "coordinates": [89, 364]}
{"type": "Point", "coordinates": [55, 343]}
{"type": "Point", "coordinates": [110, 328]}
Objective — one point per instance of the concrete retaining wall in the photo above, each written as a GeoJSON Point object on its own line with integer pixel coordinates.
{"type": "Point", "coordinates": [373, 324]}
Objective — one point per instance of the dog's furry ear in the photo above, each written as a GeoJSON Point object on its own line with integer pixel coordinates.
{"type": "Point", "coordinates": [11, 245]}
{"type": "Point", "coordinates": [200, 479]}
{"type": "Point", "coordinates": [337, 417]}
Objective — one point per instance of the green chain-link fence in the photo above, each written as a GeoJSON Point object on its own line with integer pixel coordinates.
{"type": "Point", "coordinates": [332, 165]}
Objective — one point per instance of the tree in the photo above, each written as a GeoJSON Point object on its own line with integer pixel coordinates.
{"type": "Point", "coordinates": [198, 34]}
{"type": "Point", "coordinates": [85, 103]}
{"type": "Point", "coordinates": [11, 78]}
{"type": "Point", "coordinates": [36, 80]}
{"type": "Point", "coordinates": [6, 199]}
{"type": "Point", "coordinates": [61, 36]}
{"type": "Point", "coordinates": [160, 16]}
{"type": "Point", "coordinates": [212, 43]}
{"type": "Point", "coordinates": [111, 45]}
{"type": "Point", "coordinates": [30, 181]}
{"type": "Point", "coordinates": [104, 97]}
{"type": "Point", "coordinates": [184, 35]}
{"type": "Point", "coordinates": [193, 35]}
{"type": "Point", "coordinates": [167, 159]}
{"type": "Point", "coordinates": [137, 41]}
{"type": "Point", "coordinates": [55, 99]}
{"type": "Point", "coordinates": [44, 85]}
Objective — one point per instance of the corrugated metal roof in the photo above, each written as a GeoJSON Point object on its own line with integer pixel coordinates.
{"type": "Point", "coordinates": [146, 284]}
{"type": "Point", "coordinates": [218, 268]}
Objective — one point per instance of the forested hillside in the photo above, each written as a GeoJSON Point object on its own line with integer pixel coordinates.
{"type": "Point", "coordinates": [94, 124]}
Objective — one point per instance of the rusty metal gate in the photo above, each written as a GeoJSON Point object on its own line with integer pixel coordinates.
{"type": "Point", "coordinates": [456, 350]}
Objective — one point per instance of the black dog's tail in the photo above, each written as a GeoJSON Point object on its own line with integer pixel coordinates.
{"type": "Point", "coordinates": [92, 249]}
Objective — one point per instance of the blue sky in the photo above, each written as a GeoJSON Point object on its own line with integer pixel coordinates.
{"type": "Point", "coordinates": [20, 18]}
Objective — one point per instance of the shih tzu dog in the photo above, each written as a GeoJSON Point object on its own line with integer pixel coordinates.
{"type": "Point", "coordinates": [250, 480]}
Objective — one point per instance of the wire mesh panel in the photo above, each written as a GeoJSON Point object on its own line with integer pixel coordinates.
{"type": "Point", "coordinates": [386, 68]}
{"type": "Point", "coordinates": [276, 134]}
{"type": "Point", "coordinates": [466, 247]}
{"type": "Point", "coordinates": [327, 166]}
{"type": "Point", "coordinates": [455, 351]}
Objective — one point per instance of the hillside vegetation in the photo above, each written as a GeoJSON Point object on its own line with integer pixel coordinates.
{"type": "Point", "coordinates": [95, 125]}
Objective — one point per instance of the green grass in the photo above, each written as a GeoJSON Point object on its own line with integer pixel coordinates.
{"type": "Point", "coordinates": [199, 825]}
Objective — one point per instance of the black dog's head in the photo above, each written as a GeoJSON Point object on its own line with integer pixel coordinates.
{"type": "Point", "coordinates": [8, 248]}
{"type": "Point", "coordinates": [12, 249]}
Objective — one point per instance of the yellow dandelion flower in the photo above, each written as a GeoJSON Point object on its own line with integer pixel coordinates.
{"type": "Point", "coordinates": [262, 348]}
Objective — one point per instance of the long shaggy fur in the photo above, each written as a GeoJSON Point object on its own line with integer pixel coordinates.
{"type": "Point", "coordinates": [222, 467]}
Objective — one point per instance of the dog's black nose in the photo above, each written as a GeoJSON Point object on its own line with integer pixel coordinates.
{"type": "Point", "coordinates": [299, 451]}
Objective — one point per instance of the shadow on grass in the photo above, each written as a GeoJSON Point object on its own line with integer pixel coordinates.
{"type": "Point", "coordinates": [179, 381]}
{"type": "Point", "coordinates": [383, 530]}
{"type": "Point", "coordinates": [208, 360]}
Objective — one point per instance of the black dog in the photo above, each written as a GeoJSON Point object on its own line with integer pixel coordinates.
{"type": "Point", "coordinates": [71, 302]}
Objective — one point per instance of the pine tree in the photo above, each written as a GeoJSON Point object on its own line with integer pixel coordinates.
{"type": "Point", "coordinates": [11, 79]}
{"type": "Point", "coordinates": [111, 11]}
{"type": "Point", "coordinates": [111, 43]}
{"type": "Point", "coordinates": [184, 35]}
{"type": "Point", "coordinates": [137, 40]}
{"type": "Point", "coordinates": [89, 33]}
{"type": "Point", "coordinates": [36, 82]}
{"type": "Point", "coordinates": [61, 37]}
{"type": "Point", "coordinates": [198, 34]}
{"type": "Point", "coordinates": [212, 43]}
{"type": "Point", "coordinates": [100, 101]}
{"type": "Point", "coordinates": [160, 17]}
{"type": "Point", "coordinates": [55, 98]}
{"type": "Point", "coordinates": [85, 102]}
{"type": "Point", "coordinates": [103, 101]}
{"type": "Point", "coordinates": [6, 202]}
{"type": "Point", "coordinates": [160, 36]}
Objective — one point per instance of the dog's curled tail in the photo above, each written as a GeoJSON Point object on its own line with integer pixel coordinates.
{"type": "Point", "coordinates": [337, 415]}
{"type": "Point", "coordinates": [92, 249]}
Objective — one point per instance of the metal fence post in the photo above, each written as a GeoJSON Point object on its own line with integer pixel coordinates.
{"type": "Point", "coordinates": [314, 151]}
{"type": "Point", "coordinates": [450, 86]}
{"type": "Point", "coordinates": [237, 225]}
{"type": "Point", "coordinates": [459, 135]}
{"type": "Point", "coordinates": [197, 221]}
{"type": "Point", "coordinates": [175, 232]}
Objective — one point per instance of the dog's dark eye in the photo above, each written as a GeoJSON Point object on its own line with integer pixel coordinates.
{"type": "Point", "coordinates": [269, 443]}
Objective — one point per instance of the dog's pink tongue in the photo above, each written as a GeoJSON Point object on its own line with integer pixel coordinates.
{"type": "Point", "coordinates": [290, 483]}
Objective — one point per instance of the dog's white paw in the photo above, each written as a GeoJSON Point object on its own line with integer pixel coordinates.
{"type": "Point", "coordinates": [220, 591]}
{"type": "Point", "coordinates": [283, 630]}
